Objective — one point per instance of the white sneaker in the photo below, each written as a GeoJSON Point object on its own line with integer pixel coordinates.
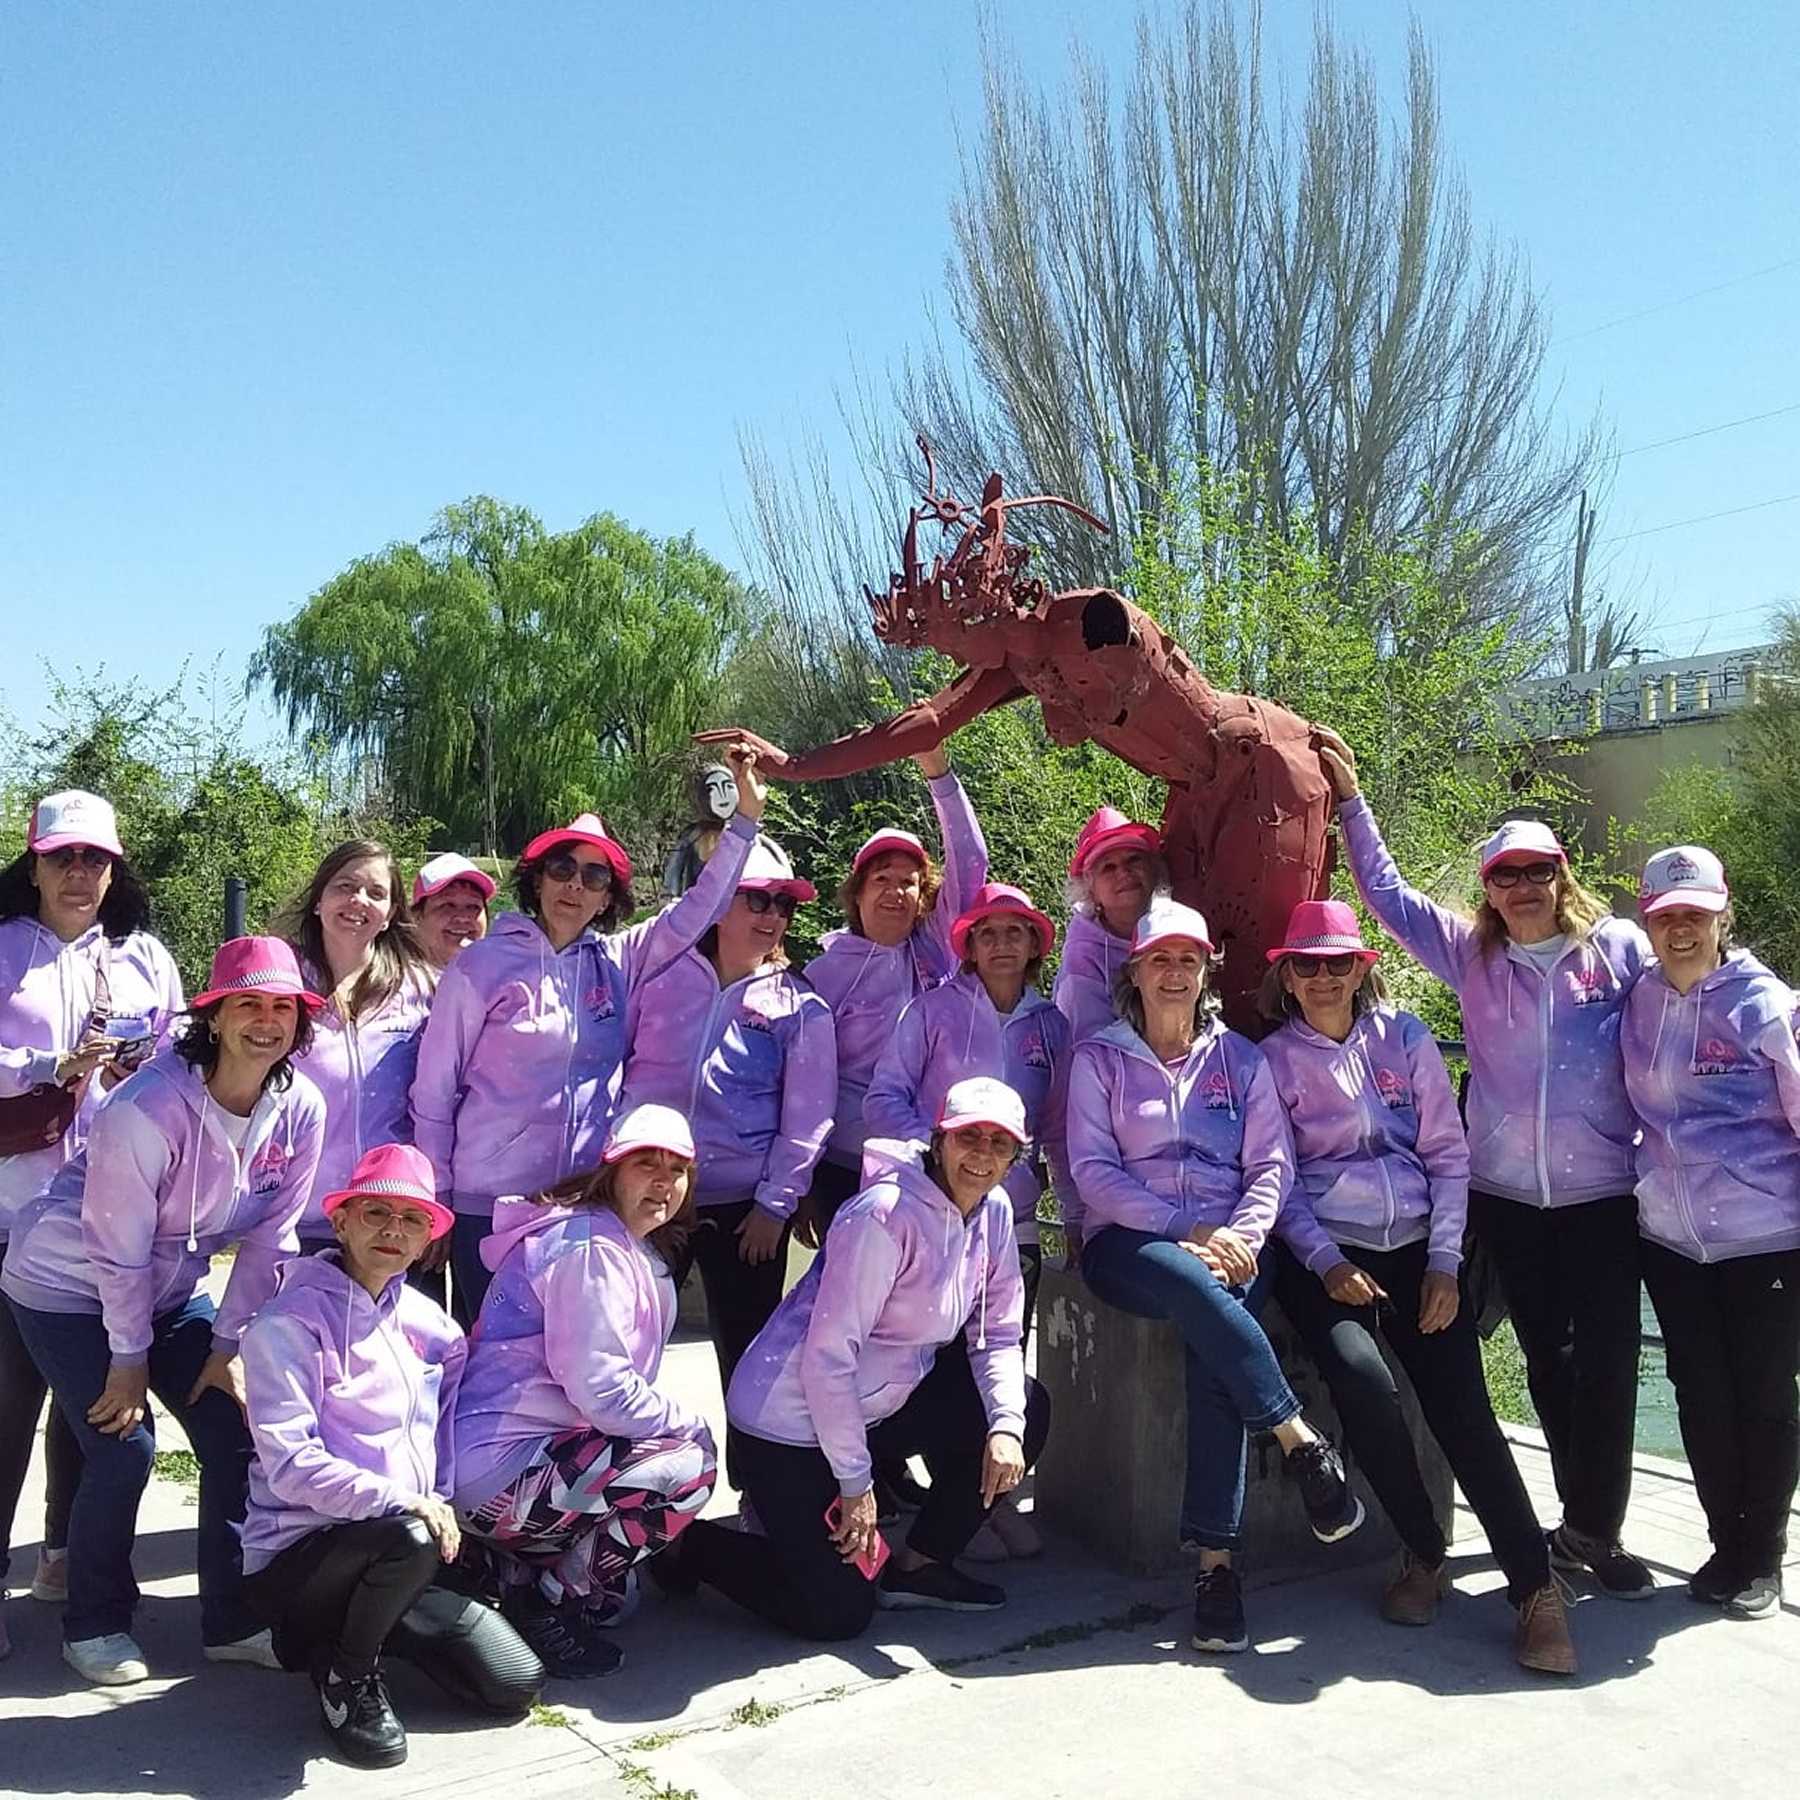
{"type": "Point", "coordinates": [258, 1650]}
{"type": "Point", "coordinates": [984, 1547]}
{"type": "Point", "coordinates": [111, 1661]}
{"type": "Point", "coordinates": [51, 1582]}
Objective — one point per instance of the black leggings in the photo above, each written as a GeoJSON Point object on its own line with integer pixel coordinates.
{"type": "Point", "coordinates": [22, 1392]}
{"type": "Point", "coordinates": [344, 1595]}
{"type": "Point", "coordinates": [793, 1576]}
{"type": "Point", "coordinates": [1444, 1368]}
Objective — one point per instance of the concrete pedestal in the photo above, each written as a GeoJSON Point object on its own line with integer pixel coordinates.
{"type": "Point", "coordinates": [1111, 1475]}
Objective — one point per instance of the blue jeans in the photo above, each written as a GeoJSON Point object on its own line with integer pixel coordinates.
{"type": "Point", "coordinates": [1234, 1382]}
{"type": "Point", "coordinates": [469, 1275]}
{"type": "Point", "coordinates": [71, 1351]}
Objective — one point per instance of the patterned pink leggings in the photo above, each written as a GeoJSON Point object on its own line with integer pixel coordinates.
{"type": "Point", "coordinates": [586, 1512]}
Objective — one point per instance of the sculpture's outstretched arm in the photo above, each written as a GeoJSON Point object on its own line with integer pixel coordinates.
{"type": "Point", "coordinates": [920, 727]}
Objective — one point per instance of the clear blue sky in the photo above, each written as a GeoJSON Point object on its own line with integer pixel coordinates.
{"type": "Point", "coordinates": [278, 281]}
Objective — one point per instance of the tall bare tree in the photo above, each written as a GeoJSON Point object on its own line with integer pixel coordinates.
{"type": "Point", "coordinates": [1194, 272]}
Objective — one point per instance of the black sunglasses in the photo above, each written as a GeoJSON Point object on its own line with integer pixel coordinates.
{"type": "Point", "coordinates": [596, 877]}
{"type": "Point", "coordinates": [758, 901]}
{"type": "Point", "coordinates": [1306, 967]}
{"type": "Point", "coordinates": [1509, 875]}
{"type": "Point", "coordinates": [86, 854]}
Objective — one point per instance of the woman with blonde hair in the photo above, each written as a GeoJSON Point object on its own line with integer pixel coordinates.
{"type": "Point", "coordinates": [1542, 971]}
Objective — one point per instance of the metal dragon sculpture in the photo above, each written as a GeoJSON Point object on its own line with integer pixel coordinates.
{"type": "Point", "coordinates": [1245, 827]}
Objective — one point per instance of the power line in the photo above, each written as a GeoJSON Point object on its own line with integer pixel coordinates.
{"type": "Point", "coordinates": [1644, 312]}
{"type": "Point", "coordinates": [1731, 512]}
{"type": "Point", "coordinates": [1708, 430]}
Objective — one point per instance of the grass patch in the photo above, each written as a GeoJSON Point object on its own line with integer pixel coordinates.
{"type": "Point", "coordinates": [635, 1775]}
{"type": "Point", "coordinates": [179, 1466]}
{"type": "Point", "coordinates": [652, 1740]}
{"type": "Point", "coordinates": [1503, 1363]}
{"type": "Point", "coordinates": [1141, 1612]}
{"type": "Point", "coordinates": [547, 1715]}
{"type": "Point", "coordinates": [754, 1712]}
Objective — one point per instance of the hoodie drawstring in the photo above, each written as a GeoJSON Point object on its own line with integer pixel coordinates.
{"type": "Point", "coordinates": [981, 1325]}
{"type": "Point", "coordinates": [193, 1239]}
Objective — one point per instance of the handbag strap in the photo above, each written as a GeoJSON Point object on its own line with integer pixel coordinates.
{"type": "Point", "coordinates": [102, 1010]}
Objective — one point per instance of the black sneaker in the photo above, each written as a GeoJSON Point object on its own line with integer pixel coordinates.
{"type": "Point", "coordinates": [939, 1585]}
{"type": "Point", "coordinates": [1617, 1571]}
{"type": "Point", "coordinates": [1334, 1510]}
{"type": "Point", "coordinates": [360, 1721]}
{"type": "Point", "coordinates": [568, 1651]}
{"type": "Point", "coordinates": [1219, 1612]}
{"type": "Point", "coordinates": [1715, 1581]}
{"type": "Point", "coordinates": [1757, 1597]}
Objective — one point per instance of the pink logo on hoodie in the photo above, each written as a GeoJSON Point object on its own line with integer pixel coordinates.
{"type": "Point", "coordinates": [599, 1001]}
{"type": "Point", "coordinates": [1393, 1088]}
{"type": "Point", "coordinates": [1215, 1092]}
{"type": "Point", "coordinates": [1587, 985]}
{"type": "Point", "coordinates": [1716, 1057]}
{"type": "Point", "coordinates": [270, 1167]}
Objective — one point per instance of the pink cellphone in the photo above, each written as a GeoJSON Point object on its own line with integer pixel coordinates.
{"type": "Point", "coordinates": [868, 1566]}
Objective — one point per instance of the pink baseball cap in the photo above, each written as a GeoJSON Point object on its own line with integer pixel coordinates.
{"type": "Point", "coordinates": [889, 837]}
{"type": "Point", "coordinates": [256, 965]}
{"type": "Point", "coordinates": [768, 870]}
{"type": "Point", "coordinates": [1522, 840]}
{"type": "Point", "coordinates": [648, 1127]}
{"type": "Point", "coordinates": [981, 1100]}
{"type": "Point", "coordinates": [1164, 921]}
{"type": "Point", "coordinates": [1686, 875]}
{"type": "Point", "coordinates": [1322, 928]}
{"type": "Point", "coordinates": [585, 828]}
{"type": "Point", "coordinates": [443, 871]}
{"type": "Point", "coordinates": [394, 1172]}
{"type": "Point", "coordinates": [1106, 830]}
{"type": "Point", "coordinates": [997, 897]}
{"type": "Point", "coordinates": [73, 819]}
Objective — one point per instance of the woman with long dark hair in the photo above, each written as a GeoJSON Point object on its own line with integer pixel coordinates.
{"type": "Point", "coordinates": [85, 993]}
{"type": "Point", "coordinates": [212, 1143]}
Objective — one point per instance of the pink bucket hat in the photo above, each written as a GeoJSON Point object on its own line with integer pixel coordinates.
{"type": "Point", "coordinates": [1108, 829]}
{"type": "Point", "coordinates": [256, 965]}
{"type": "Point", "coordinates": [1166, 920]}
{"type": "Point", "coordinates": [648, 1127]}
{"type": "Point", "coordinates": [890, 837]}
{"type": "Point", "coordinates": [1322, 928]}
{"type": "Point", "coordinates": [1686, 875]}
{"type": "Point", "coordinates": [981, 1100]}
{"type": "Point", "coordinates": [1522, 839]}
{"type": "Point", "coordinates": [73, 819]}
{"type": "Point", "coordinates": [585, 828]}
{"type": "Point", "coordinates": [442, 871]}
{"type": "Point", "coordinates": [394, 1172]}
{"type": "Point", "coordinates": [997, 897]}
{"type": "Point", "coordinates": [767, 870]}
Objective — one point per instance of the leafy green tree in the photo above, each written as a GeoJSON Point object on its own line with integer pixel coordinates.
{"type": "Point", "coordinates": [498, 676]}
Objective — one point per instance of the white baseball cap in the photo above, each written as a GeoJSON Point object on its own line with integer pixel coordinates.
{"type": "Point", "coordinates": [1685, 875]}
{"type": "Point", "coordinates": [648, 1127]}
{"type": "Point", "coordinates": [1165, 919]}
{"type": "Point", "coordinates": [1521, 838]}
{"type": "Point", "coordinates": [72, 819]}
{"type": "Point", "coordinates": [443, 870]}
{"type": "Point", "coordinates": [981, 1100]}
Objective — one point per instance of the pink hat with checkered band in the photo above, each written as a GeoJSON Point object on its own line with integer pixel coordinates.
{"type": "Point", "coordinates": [256, 965]}
{"type": "Point", "coordinates": [1322, 928]}
{"type": "Point", "coordinates": [397, 1172]}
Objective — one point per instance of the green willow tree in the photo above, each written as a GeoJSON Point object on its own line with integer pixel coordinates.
{"type": "Point", "coordinates": [498, 676]}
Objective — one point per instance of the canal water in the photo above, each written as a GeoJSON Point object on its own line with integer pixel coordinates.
{"type": "Point", "coordinates": [1657, 1431]}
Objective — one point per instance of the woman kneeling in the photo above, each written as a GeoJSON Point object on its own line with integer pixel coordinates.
{"type": "Point", "coordinates": [573, 1466]}
{"type": "Point", "coordinates": [350, 1377]}
{"type": "Point", "coordinates": [904, 1337]}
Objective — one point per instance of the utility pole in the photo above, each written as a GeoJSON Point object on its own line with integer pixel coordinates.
{"type": "Point", "coordinates": [1585, 521]}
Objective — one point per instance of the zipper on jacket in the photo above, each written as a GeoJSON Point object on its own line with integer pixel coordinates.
{"type": "Point", "coordinates": [1683, 1202]}
{"type": "Point", "coordinates": [426, 1488]}
{"type": "Point", "coordinates": [1546, 1008]}
{"type": "Point", "coordinates": [1391, 1207]}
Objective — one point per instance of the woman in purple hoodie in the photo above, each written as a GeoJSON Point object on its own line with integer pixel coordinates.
{"type": "Point", "coordinates": [850, 1370]}
{"type": "Point", "coordinates": [1714, 1073]}
{"type": "Point", "coordinates": [1541, 972]}
{"type": "Point", "coordinates": [212, 1143]}
{"type": "Point", "coordinates": [1116, 871]}
{"type": "Point", "coordinates": [573, 1466]}
{"type": "Point", "coordinates": [519, 1064]}
{"type": "Point", "coordinates": [79, 971]}
{"type": "Point", "coordinates": [350, 1381]}
{"type": "Point", "coordinates": [1182, 1153]}
{"type": "Point", "coordinates": [1370, 1247]}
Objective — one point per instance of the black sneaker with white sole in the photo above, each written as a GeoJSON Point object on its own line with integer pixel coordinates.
{"type": "Point", "coordinates": [360, 1720]}
{"type": "Point", "coordinates": [939, 1585]}
{"type": "Point", "coordinates": [1616, 1571]}
{"type": "Point", "coordinates": [1325, 1491]}
{"type": "Point", "coordinates": [1757, 1597]}
{"type": "Point", "coordinates": [1219, 1612]}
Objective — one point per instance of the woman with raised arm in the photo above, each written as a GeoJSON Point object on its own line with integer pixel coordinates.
{"type": "Point", "coordinates": [1116, 871]}
{"type": "Point", "coordinates": [213, 1142]}
{"type": "Point", "coordinates": [1182, 1153]}
{"type": "Point", "coordinates": [1714, 1073]}
{"type": "Point", "coordinates": [519, 1066]}
{"type": "Point", "coordinates": [350, 1381]}
{"type": "Point", "coordinates": [852, 1369]}
{"type": "Point", "coordinates": [1370, 1244]}
{"type": "Point", "coordinates": [85, 993]}
{"type": "Point", "coordinates": [1542, 970]}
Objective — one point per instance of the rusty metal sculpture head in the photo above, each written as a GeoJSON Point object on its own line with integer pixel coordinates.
{"type": "Point", "coordinates": [980, 583]}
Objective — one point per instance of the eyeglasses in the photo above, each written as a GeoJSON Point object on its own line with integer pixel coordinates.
{"type": "Point", "coordinates": [1509, 875]}
{"type": "Point", "coordinates": [758, 901]}
{"type": "Point", "coordinates": [1306, 967]}
{"type": "Point", "coordinates": [596, 877]}
{"type": "Point", "coordinates": [377, 1214]}
{"type": "Point", "coordinates": [85, 854]}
